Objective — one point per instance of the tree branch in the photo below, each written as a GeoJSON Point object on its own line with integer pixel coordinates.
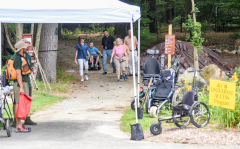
{"type": "Point", "coordinates": [7, 36]}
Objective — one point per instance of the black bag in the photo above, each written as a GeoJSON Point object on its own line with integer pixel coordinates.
{"type": "Point", "coordinates": [86, 57]}
{"type": "Point", "coordinates": [140, 112]}
{"type": "Point", "coordinates": [5, 80]}
{"type": "Point", "coordinates": [136, 132]}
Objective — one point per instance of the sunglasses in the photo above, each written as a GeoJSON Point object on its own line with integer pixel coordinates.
{"type": "Point", "coordinates": [82, 38]}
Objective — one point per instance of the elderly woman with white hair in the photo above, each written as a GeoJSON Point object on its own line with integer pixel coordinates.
{"type": "Point", "coordinates": [120, 56]}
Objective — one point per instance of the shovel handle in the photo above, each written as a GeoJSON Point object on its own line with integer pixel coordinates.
{"type": "Point", "coordinates": [149, 84]}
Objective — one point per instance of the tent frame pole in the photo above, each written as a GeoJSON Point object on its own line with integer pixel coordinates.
{"type": "Point", "coordinates": [1, 100]}
{"type": "Point", "coordinates": [133, 62]}
{"type": "Point", "coordinates": [138, 59]}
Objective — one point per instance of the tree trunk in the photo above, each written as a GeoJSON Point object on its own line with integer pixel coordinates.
{"type": "Point", "coordinates": [32, 28]}
{"type": "Point", "coordinates": [59, 31]}
{"type": "Point", "coordinates": [151, 11]}
{"type": "Point", "coordinates": [37, 42]}
{"type": "Point", "coordinates": [169, 11]}
{"type": "Point", "coordinates": [2, 31]}
{"type": "Point", "coordinates": [19, 31]}
{"type": "Point", "coordinates": [195, 52]}
{"type": "Point", "coordinates": [48, 48]}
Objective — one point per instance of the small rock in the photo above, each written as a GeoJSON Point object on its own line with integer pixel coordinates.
{"type": "Point", "coordinates": [226, 51]}
{"type": "Point", "coordinates": [238, 51]}
{"type": "Point", "coordinates": [101, 86]}
{"type": "Point", "coordinates": [218, 50]}
{"type": "Point", "coordinates": [233, 52]}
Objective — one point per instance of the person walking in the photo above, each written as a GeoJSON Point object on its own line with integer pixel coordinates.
{"type": "Point", "coordinates": [128, 42]}
{"type": "Point", "coordinates": [21, 85]}
{"type": "Point", "coordinates": [120, 55]}
{"type": "Point", "coordinates": [82, 56]}
{"type": "Point", "coordinates": [126, 62]}
{"type": "Point", "coordinates": [108, 42]}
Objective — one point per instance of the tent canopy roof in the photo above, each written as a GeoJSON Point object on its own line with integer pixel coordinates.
{"type": "Point", "coordinates": [70, 11]}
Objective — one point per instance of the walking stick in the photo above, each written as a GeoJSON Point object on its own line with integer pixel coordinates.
{"type": "Point", "coordinates": [40, 69]}
{"type": "Point", "coordinates": [42, 72]}
{"type": "Point", "coordinates": [146, 92]}
{"type": "Point", "coordinates": [34, 81]}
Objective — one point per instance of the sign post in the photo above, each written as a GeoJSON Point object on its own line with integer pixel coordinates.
{"type": "Point", "coordinates": [169, 44]}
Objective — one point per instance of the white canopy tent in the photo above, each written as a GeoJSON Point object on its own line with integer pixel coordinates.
{"type": "Point", "coordinates": [73, 11]}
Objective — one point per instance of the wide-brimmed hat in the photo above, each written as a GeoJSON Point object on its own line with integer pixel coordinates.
{"type": "Point", "coordinates": [23, 43]}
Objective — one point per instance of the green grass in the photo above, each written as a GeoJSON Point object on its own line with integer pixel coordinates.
{"type": "Point", "coordinates": [129, 119]}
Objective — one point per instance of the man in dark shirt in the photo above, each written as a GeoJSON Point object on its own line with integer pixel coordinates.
{"type": "Point", "coordinates": [108, 43]}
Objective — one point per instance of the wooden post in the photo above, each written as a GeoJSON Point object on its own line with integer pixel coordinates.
{"type": "Point", "coordinates": [169, 55]}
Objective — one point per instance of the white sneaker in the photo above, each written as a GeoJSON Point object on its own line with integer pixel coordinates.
{"type": "Point", "coordinates": [86, 77]}
{"type": "Point", "coordinates": [82, 80]}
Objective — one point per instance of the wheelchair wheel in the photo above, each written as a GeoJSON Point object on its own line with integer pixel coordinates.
{"type": "Point", "coordinates": [146, 103]}
{"type": "Point", "coordinates": [200, 114]}
{"type": "Point", "coordinates": [154, 111]}
{"type": "Point", "coordinates": [8, 128]}
{"type": "Point", "coordinates": [156, 128]}
{"type": "Point", "coordinates": [133, 104]}
{"type": "Point", "coordinates": [182, 120]}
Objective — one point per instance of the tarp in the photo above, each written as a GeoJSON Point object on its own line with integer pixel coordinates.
{"type": "Point", "coordinates": [185, 49]}
{"type": "Point", "coordinates": [67, 11]}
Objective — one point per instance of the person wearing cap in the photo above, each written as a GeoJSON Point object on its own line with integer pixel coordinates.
{"type": "Point", "coordinates": [21, 85]}
{"type": "Point", "coordinates": [108, 43]}
{"type": "Point", "coordinates": [128, 42]}
{"type": "Point", "coordinates": [80, 56]}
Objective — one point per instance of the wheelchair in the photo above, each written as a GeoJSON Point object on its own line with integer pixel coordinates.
{"type": "Point", "coordinates": [94, 62]}
{"type": "Point", "coordinates": [188, 110]}
{"type": "Point", "coordinates": [162, 93]}
{"type": "Point", "coordinates": [151, 68]}
{"type": "Point", "coordinates": [6, 91]}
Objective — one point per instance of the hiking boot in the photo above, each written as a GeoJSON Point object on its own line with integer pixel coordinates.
{"type": "Point", "coordinates": [114, 71]}
{"type": "Point", "coordinates": [130, 74]}
{"type": "Point", "coordinates": [14, 123]}
{"type": "Point", "coordinates": [104, 73]}
{"type": "Point", "coordinates": [28, 121]}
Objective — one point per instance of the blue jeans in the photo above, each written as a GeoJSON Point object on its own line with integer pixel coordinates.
{"type": "Point", "coordinates": [107, 53]}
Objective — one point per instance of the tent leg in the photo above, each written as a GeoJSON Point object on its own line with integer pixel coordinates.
{"type": "Point", "coordinates": [1, 100]}
{"type": "Point", "coordinates": [134, 80]}
{"type": "Point", "coordinates": [138, 59]}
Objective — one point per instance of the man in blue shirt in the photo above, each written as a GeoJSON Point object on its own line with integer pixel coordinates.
{"type": "Point", "coordinates": [108, 43]}
{"type": "Point", "coordinates": [93, 53]}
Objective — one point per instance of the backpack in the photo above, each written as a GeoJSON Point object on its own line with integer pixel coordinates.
{"type": "Point", "coordinates": [11, 71]}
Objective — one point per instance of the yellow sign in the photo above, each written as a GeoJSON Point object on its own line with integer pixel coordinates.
{"type": "Point", "coordinates": [222, 94]}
